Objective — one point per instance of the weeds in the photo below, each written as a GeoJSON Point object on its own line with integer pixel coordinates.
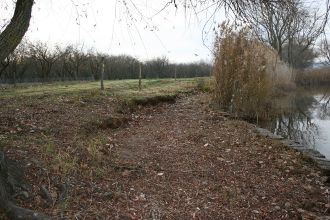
{"type": "Point", "coordinates": [90, 127]}
{"type": "Point", "coordinates": [114, 122]}
{"type": "Point", "coordinates": [49, 148]}
{"type": "Point", "coordinates": [64, 163]}
{"type": "Point", "coordinates": [204, 85]}
{"type": "Point", "coordinates": [97, 149]}
{"type": "Point", "coordinates": [130, 105]}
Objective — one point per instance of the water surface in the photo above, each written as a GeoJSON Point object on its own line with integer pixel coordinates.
{"type": "Point", "coordinates": [305, 118]}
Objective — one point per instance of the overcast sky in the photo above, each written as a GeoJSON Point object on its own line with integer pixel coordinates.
{"type": "Point", "coordinates": [140, 31]}
{"type": "Point", "coordinates": [107, 26]}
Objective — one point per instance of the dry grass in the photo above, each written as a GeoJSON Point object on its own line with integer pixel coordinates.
{"type": "Point", "coordinates": [240, 72]}
{"type": "Point", "coordinates": [121, 88]}
{"type": "Point", "coordinates": [246, 72]}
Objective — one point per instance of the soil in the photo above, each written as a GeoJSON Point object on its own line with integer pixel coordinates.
{"type": "Point", "coordinates": [179, 160]}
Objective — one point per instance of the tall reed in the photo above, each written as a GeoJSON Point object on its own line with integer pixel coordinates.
{"type": "Point", "coordinates": [245, 72]}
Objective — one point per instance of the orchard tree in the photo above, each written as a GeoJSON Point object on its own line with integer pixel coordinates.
{"type": "Point", "coordinates": [77, 59]}
{"type": "Point", "coordinates": [95, 63]}
{"type": "Point", "coordinates": [44, 58]}
{"type": "Point", "coordinates": [17, 65]}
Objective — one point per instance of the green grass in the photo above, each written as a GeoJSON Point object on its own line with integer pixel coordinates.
{"type": "Point", "coordinates": [121, 88]}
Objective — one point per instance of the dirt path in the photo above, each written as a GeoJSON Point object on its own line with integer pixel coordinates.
{"type": "Point", "coordinates": [188, 162]}
{"type": "Point", "coordinates": [185, 161]}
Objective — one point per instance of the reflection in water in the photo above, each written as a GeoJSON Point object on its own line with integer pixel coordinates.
{"type": "Point", "coordinates": [324, 111]}
{"type": "Point", "coordinates": [304, 118]}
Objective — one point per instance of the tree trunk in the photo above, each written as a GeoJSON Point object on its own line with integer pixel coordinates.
{"type": "Point", "coordinates": [14, 32]}
{"type": "Point", "coordinates": [9, 170]}
{"type": "Point", "coordinates": [9, 39]}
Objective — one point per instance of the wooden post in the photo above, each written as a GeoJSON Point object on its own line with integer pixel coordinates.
{"type": "Point", "coordinates": [102, 74]}
{"type": "Point", "coordinates": [140, 78]}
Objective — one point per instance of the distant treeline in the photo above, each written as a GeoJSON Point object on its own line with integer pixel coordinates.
{"type": "Point", "coordinates": [313, 77]}
{"type": "Point", "coordinates": [36, 62]}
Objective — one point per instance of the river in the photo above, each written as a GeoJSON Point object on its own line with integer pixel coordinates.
{"type": "Point", "coordinates": [303, 117]}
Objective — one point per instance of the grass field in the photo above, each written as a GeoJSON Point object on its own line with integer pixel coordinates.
{"type": "Point", "coordinates": [120, 88]}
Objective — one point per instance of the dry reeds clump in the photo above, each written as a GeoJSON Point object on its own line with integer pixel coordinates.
{"type": "Point", "coordinates": [242, 85]}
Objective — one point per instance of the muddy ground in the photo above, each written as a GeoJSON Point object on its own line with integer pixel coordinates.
{"type": "Point", "coordinates": [169, 161]}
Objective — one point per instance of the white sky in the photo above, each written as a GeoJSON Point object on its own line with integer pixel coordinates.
{"type": "Point", "coordinates": [104, 25]}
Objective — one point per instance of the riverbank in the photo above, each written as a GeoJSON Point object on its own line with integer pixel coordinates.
{"type": "Point", "coordinates": [169, 161]}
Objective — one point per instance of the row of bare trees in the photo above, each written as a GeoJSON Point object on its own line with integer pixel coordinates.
{"type": "Point", "coordinates": [36, 62]}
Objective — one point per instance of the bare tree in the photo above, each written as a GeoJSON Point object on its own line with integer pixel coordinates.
{"type": "Point", "coordinates": [13, 67]}
{"type": "Point", "coordinates": [293, 28]}
{"type": "Point", "coordinates": [67, 67]}
{"type": "Point", "coordinates": [17, 65]}
{"type": "Point", "coordinates": [70, 60]}
{"type": "Point", "coordinates": [300, 56]}
{"type": "Point", "coordinates": [158, 65]}
{"type": "Point", "coordinates": [307, 27]}
{"type": "Point", "coordinates": [76, 59]}
{"type": "Point", "coordinates": [95, 63]}
{"type": "Point", "coordinates": [271, 25]}
{"type": "Point", "coordinates": [44, 57]}
{"type": "Point", "coordinates": [60, 63]}
{"type": "Point", "coordinates": [324, 50]}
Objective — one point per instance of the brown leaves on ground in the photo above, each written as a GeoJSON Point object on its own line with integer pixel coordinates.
{"type": "Point", "coordinates": [172, 161]}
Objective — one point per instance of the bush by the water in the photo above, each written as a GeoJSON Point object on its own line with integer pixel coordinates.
{"type": "Point", "coordinates": [246, 72]}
